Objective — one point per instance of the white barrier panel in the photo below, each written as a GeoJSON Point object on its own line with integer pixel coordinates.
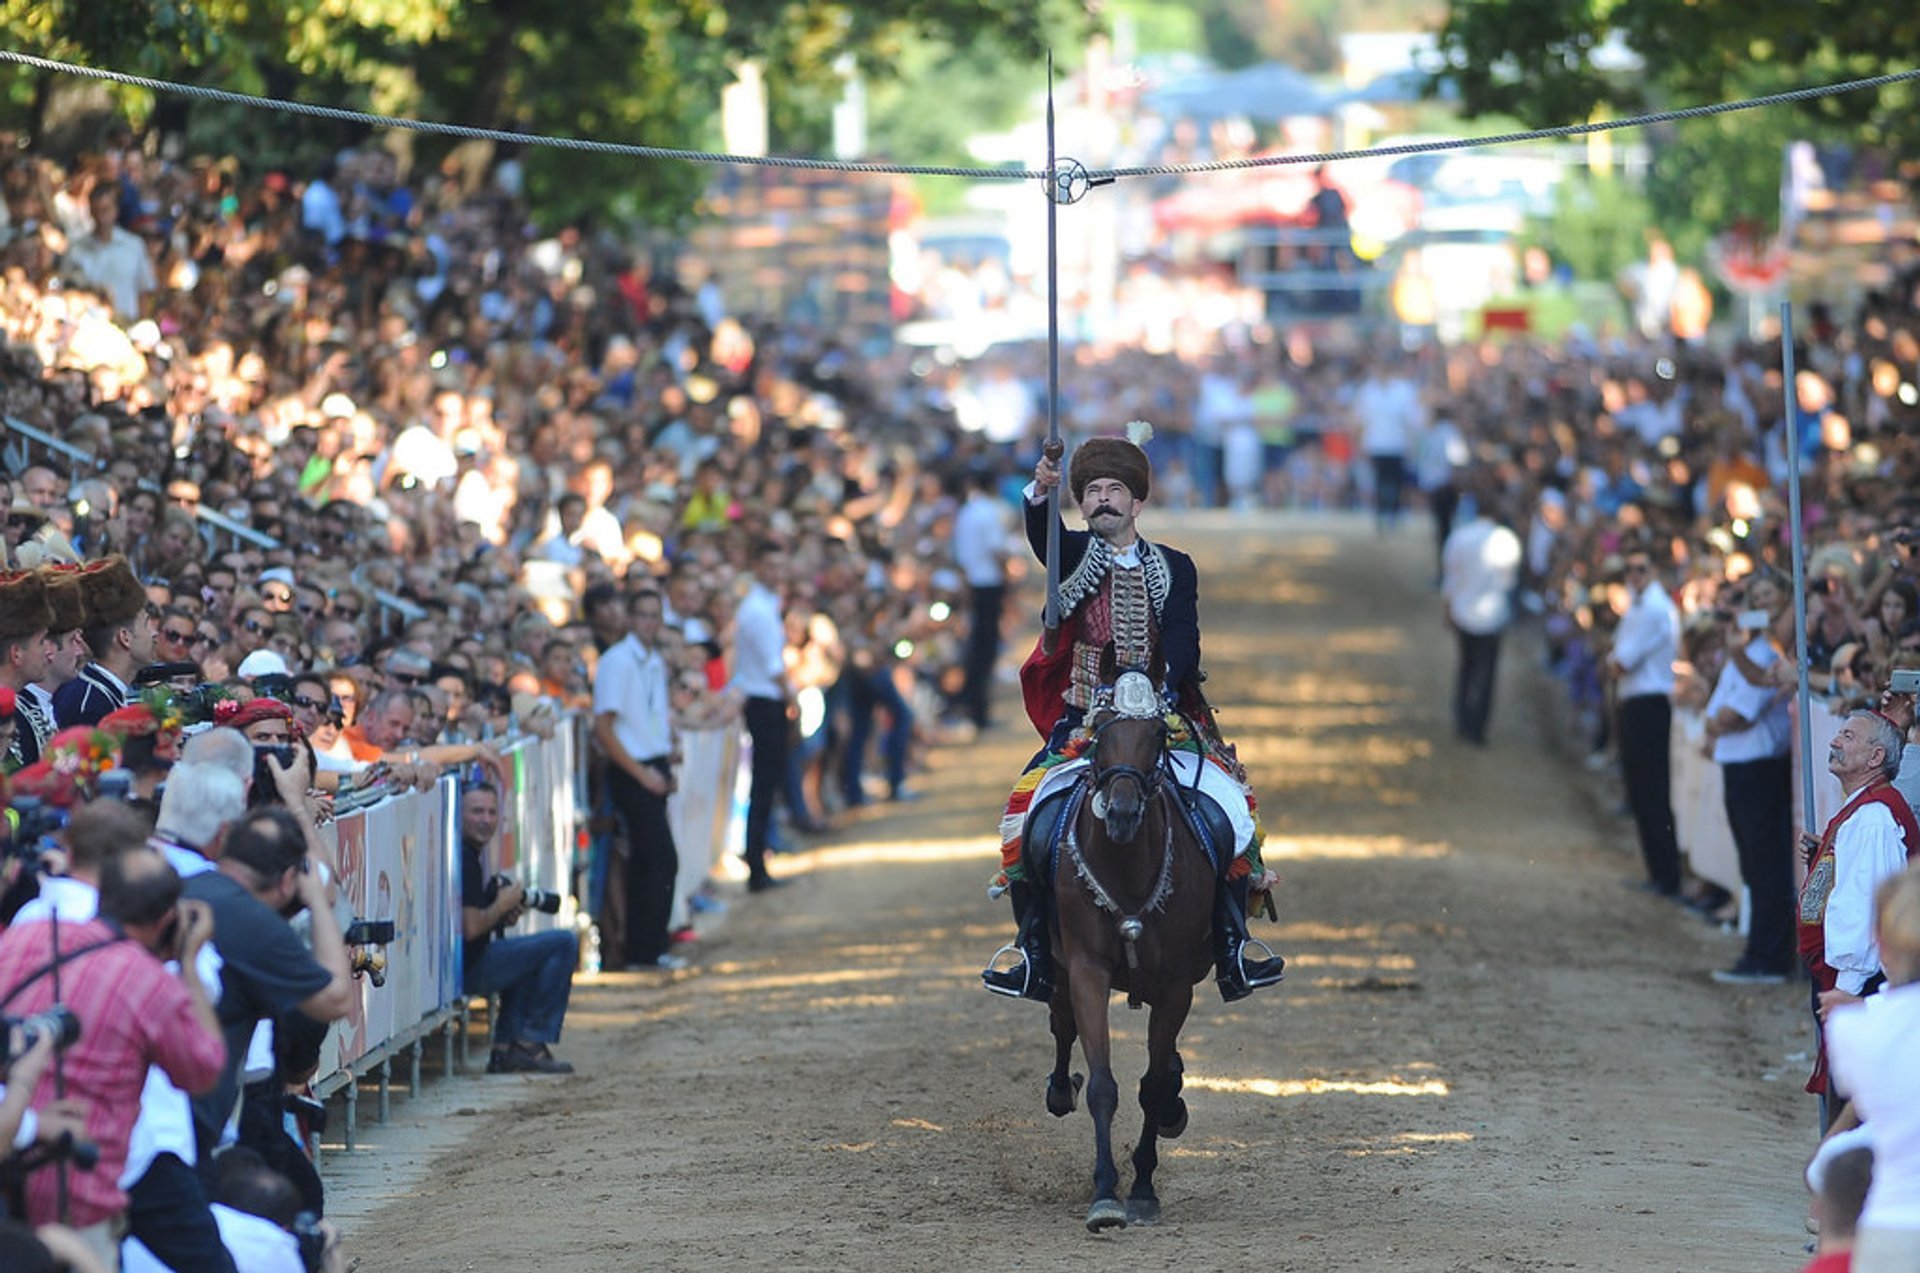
{"type": "Point", "coordinates": [538, 817]}
{"type": "Point", "coordinates": [1699, 804]}
{"type": "Point", "coordinates": [400, 860]}
{"type": "Point", "coordinates": [700, 810]}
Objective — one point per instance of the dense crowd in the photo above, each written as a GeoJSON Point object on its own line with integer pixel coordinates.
{"type": "Point", "coordinates": [393, 471]}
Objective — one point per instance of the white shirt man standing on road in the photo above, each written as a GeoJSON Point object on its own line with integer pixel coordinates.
{"type": "Point", "coordinates": [633, 724]}
{"type": "Point", "coordinates": [1641, 664]}
{"type": "Point", "coordinates": [1479, 568]}
{"type": "Point", "coordinates": [760, 675]}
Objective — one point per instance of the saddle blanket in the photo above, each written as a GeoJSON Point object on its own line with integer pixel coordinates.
{"type": "Point", "coordinates": [1214, 781]}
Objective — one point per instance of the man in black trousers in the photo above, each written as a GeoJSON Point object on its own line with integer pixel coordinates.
{"type": "Point", "coordinates": [633, 725]}
{"type": "Point", "coordinates": [1641, 664]}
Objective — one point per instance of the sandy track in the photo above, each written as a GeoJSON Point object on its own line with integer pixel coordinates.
{"type": "Point", "coordinates": [1487, 1055]}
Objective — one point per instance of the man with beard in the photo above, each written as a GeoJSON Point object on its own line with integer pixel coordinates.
{"type": "Point", "coordinates": [1125, 603]}
{"type": "Point", "coordinates": [119, 636]}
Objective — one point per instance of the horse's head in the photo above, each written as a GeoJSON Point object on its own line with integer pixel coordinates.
{"type": "Point", "coordinates": [1129, 728]}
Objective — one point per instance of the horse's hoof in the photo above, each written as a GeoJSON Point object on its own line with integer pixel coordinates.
{"type": "Point", "coordinates": [1143, 1211]}
{"type": "Point", "coordinates": [1060, 1096]}
{"type": "Point", "coordinates": [1107, 1213]}
{"type": "Point", "coordinates": [1171, 1129]}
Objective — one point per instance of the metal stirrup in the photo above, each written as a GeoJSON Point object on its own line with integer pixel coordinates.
{"type": "Point", "coordinates": [1251, 940]}
{"type": "Point", "coordinates": [1025, 966]}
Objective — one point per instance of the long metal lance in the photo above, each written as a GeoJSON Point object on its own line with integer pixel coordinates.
{"type": "Point", "coordinates": [1798, 552]}
{"type": "Point", "coordinates": [1054, 447]}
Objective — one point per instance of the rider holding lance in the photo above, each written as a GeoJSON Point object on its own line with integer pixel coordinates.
{"type": "Point", "coordinates": [1125, 602]}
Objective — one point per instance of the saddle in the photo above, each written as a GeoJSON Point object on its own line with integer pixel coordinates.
{"type": "Point", "coordinates": [1048, 822]}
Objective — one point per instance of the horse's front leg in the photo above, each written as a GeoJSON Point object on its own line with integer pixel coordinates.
{"type": "Point", "coordinates": [1162, 1110]}
{"type": "Point", "coordinates": [1090, 990]}
{"type": "Point", "coordinates": [1062, 1087]}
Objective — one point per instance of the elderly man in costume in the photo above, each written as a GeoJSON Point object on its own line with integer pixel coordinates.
{"type": "Point", "coordinates": [1871, 839]}
{"type": "Point", "coordinates": [1125, 603]}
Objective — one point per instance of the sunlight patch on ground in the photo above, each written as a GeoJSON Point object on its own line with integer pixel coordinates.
{"type": "Point", "coordinates": [1235, 719]}
{"type": "Point", "coordinates": [855, 1001]}
{"type": "Point", "coordinates": [906, 852]}
{"type": "Point", "coordinates": [1349, 848]}
{"type": "Point", "coordinates": [1370, 963]}
{"type": "Point", "coordinates": [1318, 1087]}
{"type": "Point", "coordinates": [919, 1123]}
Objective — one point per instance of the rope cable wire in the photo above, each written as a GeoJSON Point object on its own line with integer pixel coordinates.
{"type": "Point", "coordinates": [1097, 177]}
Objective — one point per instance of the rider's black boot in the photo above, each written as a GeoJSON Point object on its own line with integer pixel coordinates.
{"type": "Point", "coordinates": [1032, 978]}
{"type": "Point", "coordinates": [1235, 974]}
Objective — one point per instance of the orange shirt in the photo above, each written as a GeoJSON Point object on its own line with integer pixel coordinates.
{"type": "Point", "coordinates": [357, 743]}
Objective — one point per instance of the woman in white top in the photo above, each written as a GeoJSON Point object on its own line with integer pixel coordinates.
{"type": "Point", "coordinates": [1873, 1047]}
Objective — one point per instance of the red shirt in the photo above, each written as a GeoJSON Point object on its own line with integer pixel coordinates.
{"type": "Point", "coordinates": [133, 1013]}
{"type": "Point", "coordinates": [1830, 1262]}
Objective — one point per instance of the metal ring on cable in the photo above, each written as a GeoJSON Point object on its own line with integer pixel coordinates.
{"type": "Point", "coordinates": [1068, 182]}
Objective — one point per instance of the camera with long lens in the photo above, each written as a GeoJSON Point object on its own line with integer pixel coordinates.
{"type": "Point", "coordinates": [544, 900]}
{"type": "Point", "coordinates": [33, 824]}
{"type": "Point", "coordinates": [56, 1022]}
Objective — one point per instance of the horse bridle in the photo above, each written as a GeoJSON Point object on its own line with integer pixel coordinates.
{"type": "Point", "coordinates": [1132, 697]}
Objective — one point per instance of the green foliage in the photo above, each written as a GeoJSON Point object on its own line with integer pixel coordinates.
{"type": "Point", "coordinates": [1535, 60]}
{"type": "Point", "coordinates": [1598, 227]}
{"type": "Point", "coordinates": [641, 71]}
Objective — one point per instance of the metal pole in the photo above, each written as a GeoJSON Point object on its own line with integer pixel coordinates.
{"type": "Point", "coordinates": [1798, 553]}
{"type": "Point", "coordinates": [1054, 448]}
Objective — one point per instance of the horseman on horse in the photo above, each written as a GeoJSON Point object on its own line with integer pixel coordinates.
{"type": "Point", "coordinates": [1125, 604]}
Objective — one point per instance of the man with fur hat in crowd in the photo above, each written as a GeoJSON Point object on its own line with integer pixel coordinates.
{"type": "Point", "coordinates": [67, 650]}
{"type": "Point", "coordinates": [119, 635]}
{"type": "Point", "coordinates": [24, 620]}
{"type": "Point", "coordinates": [1136, 603]}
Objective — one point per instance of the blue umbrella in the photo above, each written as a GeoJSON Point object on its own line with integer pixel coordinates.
{"type": "Point", "coordinates": [1405, 85]}
{"type": "Point", "coordinates": [1269, 91]}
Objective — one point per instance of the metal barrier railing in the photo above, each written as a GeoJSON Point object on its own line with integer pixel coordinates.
{"type": "Point", "coordinates": [17, 457]}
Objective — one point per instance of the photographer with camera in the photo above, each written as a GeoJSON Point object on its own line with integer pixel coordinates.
{"type": "Point", "coordinates": [262, 1221]}
{"type": "Point", "coordinates": [263, 876]}
{"type": "Point", "coordinates": [533, 975]}
{"type": "Point", "coordinates": [167, 1207]}
{"type": "Point", "coordinates": [129, 1013]}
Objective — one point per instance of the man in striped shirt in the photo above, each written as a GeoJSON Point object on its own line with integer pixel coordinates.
{"type": "Point", "coordinates": [132, 1013]}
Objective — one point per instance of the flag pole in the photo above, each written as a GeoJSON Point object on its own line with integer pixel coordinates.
{"type": "Point", "coordinates": [1054, 448]}
{"type": "Point", "coordinates": [1797, 543]}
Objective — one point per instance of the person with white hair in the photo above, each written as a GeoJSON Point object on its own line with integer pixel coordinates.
{"type": "Point", "coordinates": [1869, 841]}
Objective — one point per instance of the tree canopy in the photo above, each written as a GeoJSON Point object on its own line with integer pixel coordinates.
{"type": "Point", "coordinates": [641, 71]}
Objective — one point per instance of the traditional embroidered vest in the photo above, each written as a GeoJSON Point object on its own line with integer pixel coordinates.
{"type": "Point", "coordinates": [1818, 889]}
{"type": "Point", "coordinates": [1120, 614]}
{"type": "Point", "coordinates": [1818, 886]}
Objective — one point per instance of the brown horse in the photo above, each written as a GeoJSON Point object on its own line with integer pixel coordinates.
{"type": "Point", "coordinates": [1134, 895]}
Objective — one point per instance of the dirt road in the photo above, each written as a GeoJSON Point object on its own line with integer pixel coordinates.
{"type": "Point", "coordinates": [1488, 1055]}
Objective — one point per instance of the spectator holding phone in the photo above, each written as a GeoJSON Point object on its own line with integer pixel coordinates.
{"type": "Point", "coordinates": [1747, 725]}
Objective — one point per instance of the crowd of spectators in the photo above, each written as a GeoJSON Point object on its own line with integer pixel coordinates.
{"type": "Point", "coordinates": [372, 437]}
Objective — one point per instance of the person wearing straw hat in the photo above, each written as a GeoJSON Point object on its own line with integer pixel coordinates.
{"type": "Point", "coordinates": [1125, 602]}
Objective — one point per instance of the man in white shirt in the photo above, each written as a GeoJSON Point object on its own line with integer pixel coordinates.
{"type": "Point", "coordinates": [112, 259]}
{"type": "Point", "coordinates": [1479, 568]}
{"type": "Point", "coordinates": [1641, 664]}
{"type": "Point", "coordinates": [1868, 842]}
{"type": "Point", "coordinates": [633, 724]}
{"type": "Point", "coordinates": [760, 676]}
{"type": "Point", "coordinates": [1748, 723]}
{"type": "Point", "coordinates": [980, 551]}
{"type": "Point", "coordinates": [1387, 408]}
